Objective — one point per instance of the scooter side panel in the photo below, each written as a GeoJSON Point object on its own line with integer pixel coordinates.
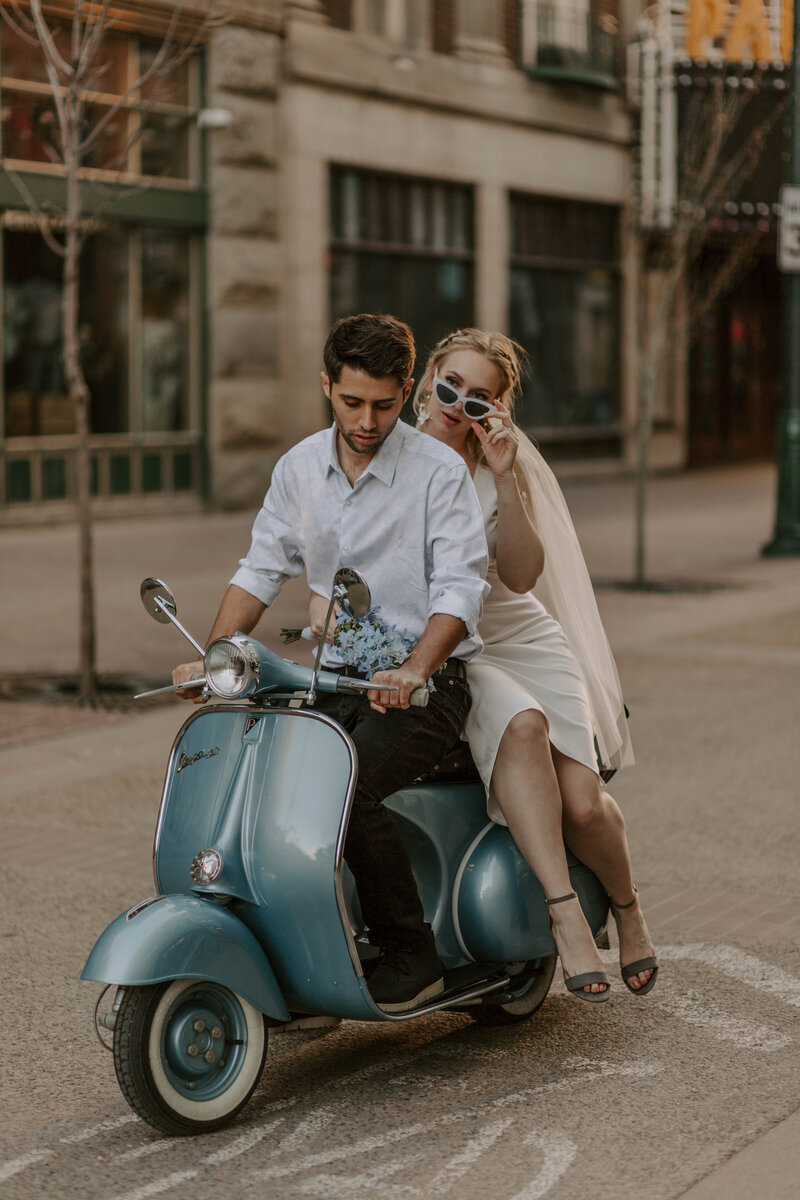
{"type": "Point", "coordinates": [271, 802]}
{"type": "Point", "coordinates": [499, 908]}
{"type": "Point", "coordinates": [184, 937]}
{"type": "Point", "coordinates": [438, 823]}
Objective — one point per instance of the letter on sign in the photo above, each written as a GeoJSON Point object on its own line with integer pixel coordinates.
{"type": "Point", "coordinates": [750, 35]}
{"type": "Point", "coordinates": [706, 20]}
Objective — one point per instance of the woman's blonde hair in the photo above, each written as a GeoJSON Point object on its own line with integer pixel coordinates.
{"type": "Point", "coordinates": [507, 355]}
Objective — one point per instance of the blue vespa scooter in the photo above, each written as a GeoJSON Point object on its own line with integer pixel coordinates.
{"type": "Point", "coordinates": [255, 919]}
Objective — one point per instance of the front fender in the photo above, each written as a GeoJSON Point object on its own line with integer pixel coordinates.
{"type": "Point", "coordinates": [185, 937]}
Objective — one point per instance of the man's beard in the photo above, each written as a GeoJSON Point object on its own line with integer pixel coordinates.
{"type": "Point", "coordinates": [354, 446]}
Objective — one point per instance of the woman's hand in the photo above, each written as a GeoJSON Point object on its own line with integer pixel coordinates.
{"type": "Point", "coordinates": [499, 443]}
{"type": "Point", "coordinates": [519, 555]}
{"type": "Point", "coordinates": [317, 612]}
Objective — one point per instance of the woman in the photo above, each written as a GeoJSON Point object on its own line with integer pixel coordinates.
{"type": "Point", "coordinates": [535, 714]}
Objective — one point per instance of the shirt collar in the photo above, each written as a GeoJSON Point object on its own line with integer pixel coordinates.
{"type": "Point", "coordinates": [384, 464]}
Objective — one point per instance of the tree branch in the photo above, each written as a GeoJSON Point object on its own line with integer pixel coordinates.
{"type": "Point", "coordinates": [17, 28]}
{"type": "Point", "coordinates": [30, 202]}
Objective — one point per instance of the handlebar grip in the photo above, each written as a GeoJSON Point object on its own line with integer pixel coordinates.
{"type": "Point", "coordinates": [419, 697]}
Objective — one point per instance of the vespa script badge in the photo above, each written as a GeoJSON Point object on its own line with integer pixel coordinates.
{"type": "Point", "coordinates": [186, 760]}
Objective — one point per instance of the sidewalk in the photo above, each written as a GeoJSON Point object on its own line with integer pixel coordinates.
{"type": "Point", "coordinates": [703, 528]}
{"type": "Point", "coordinates": [705, 531]}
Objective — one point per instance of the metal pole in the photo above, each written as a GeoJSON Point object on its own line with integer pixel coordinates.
{"type": "Point", "coordinates": [786, 538]}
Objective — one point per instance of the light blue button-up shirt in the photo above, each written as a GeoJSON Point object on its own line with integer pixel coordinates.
{"type": "Point", "coordinates": [411, 525]}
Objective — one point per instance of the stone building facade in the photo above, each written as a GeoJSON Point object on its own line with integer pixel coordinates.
{"type": "Point", "coordinates": [453, 161]}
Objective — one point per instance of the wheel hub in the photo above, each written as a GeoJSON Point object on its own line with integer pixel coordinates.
{"type": "Point", "coordinates": [203, 1041]}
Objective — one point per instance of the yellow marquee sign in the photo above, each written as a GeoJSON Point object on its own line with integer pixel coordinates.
{"type": "Point", "coordinates": [737, 31]}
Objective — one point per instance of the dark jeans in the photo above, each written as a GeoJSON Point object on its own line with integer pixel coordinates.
{"type": "Point", "coordinates": [394, 749]}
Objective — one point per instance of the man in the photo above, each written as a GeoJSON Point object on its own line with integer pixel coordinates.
{"type": "Point", "coordinates": [374, 494]}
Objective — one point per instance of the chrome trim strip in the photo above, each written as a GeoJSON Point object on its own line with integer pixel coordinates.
{"type": "Point", "coordinates": [457, 887]}
{"type": "Point", "coordinates": [462, 997]}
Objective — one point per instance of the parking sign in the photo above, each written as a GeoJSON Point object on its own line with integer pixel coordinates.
{"type": "Point", "coordinates": [789, 229]}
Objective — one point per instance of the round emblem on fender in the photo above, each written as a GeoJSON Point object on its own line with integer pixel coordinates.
{"type": "Point", "coordinates": [206, 866]}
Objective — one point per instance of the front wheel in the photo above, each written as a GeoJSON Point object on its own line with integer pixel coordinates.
{"type": "Point", "coordinates": [188, 1054]}
{"type": "Point", "coordinates": [523, 1000]}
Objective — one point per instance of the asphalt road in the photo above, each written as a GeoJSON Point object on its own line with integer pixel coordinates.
{"type": "Point", "coordinates": [635, 1097]}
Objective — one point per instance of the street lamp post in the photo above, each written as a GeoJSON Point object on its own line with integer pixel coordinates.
{"type": "Point", "coordinates": [786, 538]}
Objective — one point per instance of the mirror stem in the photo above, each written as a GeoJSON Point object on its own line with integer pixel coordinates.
{"type": "Point", "coordinates": [312, 688]}
{"type": "Point", "coordinates": [159, 603]}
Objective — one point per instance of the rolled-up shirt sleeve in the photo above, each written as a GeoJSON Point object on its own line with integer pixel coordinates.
{"type": "Point", "coordinates": [460, 558]}
{"type": "Point", "coordinates": [275, 553]}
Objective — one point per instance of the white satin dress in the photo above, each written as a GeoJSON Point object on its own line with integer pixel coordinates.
{"type": "Point", "coordinates": [526, 664]}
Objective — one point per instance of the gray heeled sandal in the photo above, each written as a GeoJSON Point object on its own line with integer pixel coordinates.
{"type": "Point", "coordinates": [576, 983]}
{"type": "Point", "coordinates": [641, 964]}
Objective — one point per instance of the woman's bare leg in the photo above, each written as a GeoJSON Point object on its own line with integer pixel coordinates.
{"type": "Point", "coordinates": [526, 789]}
{"type": "Point", "coordinates": [594, 829]}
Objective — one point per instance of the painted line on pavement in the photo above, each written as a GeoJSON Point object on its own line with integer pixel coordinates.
{"type": "Point", "coordinates": [559, 1154]}
{"type": "Point", "coordinates": [85, 1134]}
{"type": "Point", "coordinates": [460, 1163]}
{"type": "Point", "coordinates": [243, 1143]}
{"type": "Point", "coordinates": [147, 1148]}
{"type": "Point", "coordinates": [591, 1070]}
{"type": "Point", "coordinates": [373, 1181]}
{"type": "Point", "coordinates": [159, 1185]}
{"type": "Point", "coordinates": [586, 1071]}
{"type": "Point", "coordinates": [743, 967]}
{"type": "Point", "coordinates": [365, 1146]}
{"type": "Point", "coordinates": [311, 1124]}
{"type": "Point", "coordinates": [747, 1035]}
{"type": "Point", "coordinates": [15, 1165]}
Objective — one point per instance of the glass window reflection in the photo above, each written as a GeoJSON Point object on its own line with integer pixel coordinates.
{"type": "Point", "coordinates": [164, 330]}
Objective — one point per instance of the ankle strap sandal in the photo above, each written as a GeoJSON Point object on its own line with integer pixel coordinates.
{"type": "Point", "coordinates": [650, 963]}
{"type": "Point", "coordinates": [576, 983]}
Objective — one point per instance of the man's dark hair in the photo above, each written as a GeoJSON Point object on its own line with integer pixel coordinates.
{"type": "Point", "coordinates": [375, 343]}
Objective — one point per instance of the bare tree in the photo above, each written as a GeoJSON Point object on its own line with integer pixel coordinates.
{"type": "Point", "coordinates": [72, 52]}
{"type": "Point", "coordinates": [715, 160]}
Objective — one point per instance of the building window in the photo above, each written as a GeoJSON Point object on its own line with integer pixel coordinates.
{"type": "Point", "coordinates": [404, 246]}
{"type": "Point", "coordinates": [571, 38]}
{"type": "Point", "coordinates": [565, 312]}
{"type": "Point", "coordinates": [140, 284]}
{"type": "Point", "coordinates": [400, 21]}
{"type": "Point", "coordinates": [153, 134]}
{"type": "Point", "coordinates": [139, 292]}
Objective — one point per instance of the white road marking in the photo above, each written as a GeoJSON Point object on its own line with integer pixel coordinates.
{"type": "Point", "coordinates": [587, 1069]}
{"type": "Point", "coordinates": [158, 1185]}
{"type": "Point", "coordinates": [559, 1154]}
{"type": "Point", "coordinates": [590, 1069]}
{"type": "Point", "coordinates": [14, 1165]}
{"type": "Point", "coordinates": [147, 1148]}
{"type": "Point", "coordinates": [747, 1035]}
{"type": "Point", "coordinates": [85, 1134]}
{"type": "Point", "coordinates": [460, 1163]}
{"type": "Point", "coordinates": [242, 1144]}
{"type": "Point", "coordinates": [374, 1181]}
{"type": "Point", "coordinates": [365, 1146]}
{"type": "Point", "coordinates": [311, 1124]}
{"type": "Point", "coordinates": [743, 967]}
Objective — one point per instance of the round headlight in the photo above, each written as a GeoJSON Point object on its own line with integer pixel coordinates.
{"type": "Point", "coordinates": [206, 866]}
{"type": "Point", "coordinates": [231, 666]}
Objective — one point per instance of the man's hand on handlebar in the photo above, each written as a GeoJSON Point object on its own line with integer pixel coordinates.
{"type": "Point", "coordinates": [404, 678]}
{"type": "Point", "coordinates": [182, 674]}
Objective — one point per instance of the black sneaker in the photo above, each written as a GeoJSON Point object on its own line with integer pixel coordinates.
{"type": "Point", "coordinates": [404, 979]}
